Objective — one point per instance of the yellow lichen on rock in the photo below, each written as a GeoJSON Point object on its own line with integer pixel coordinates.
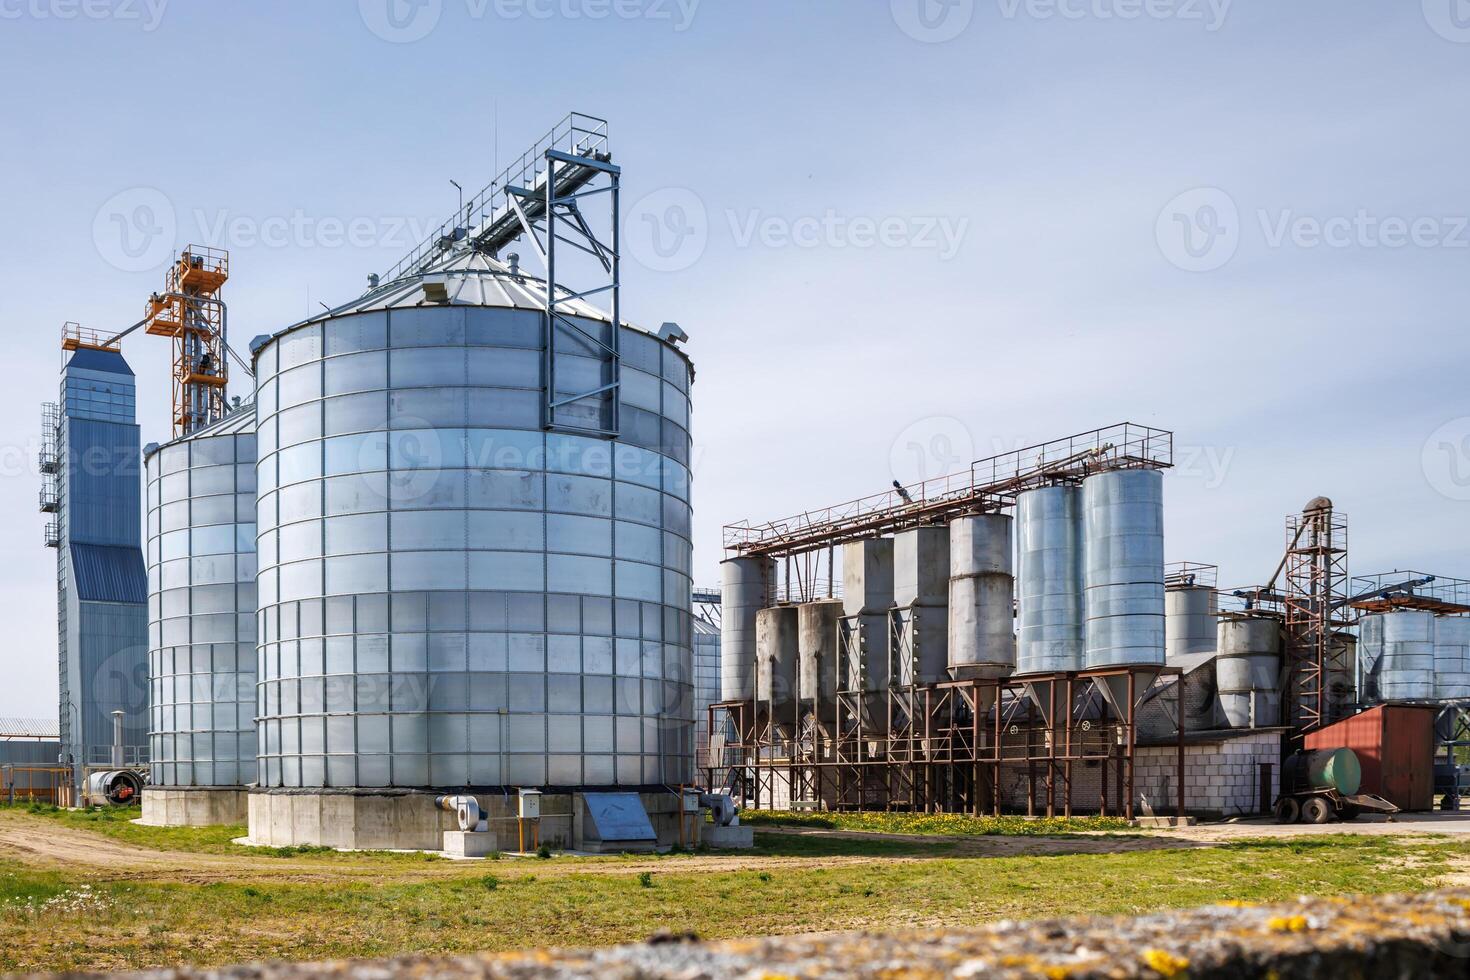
{"type": "Point", "coordinates": [1288, 923]}
{"type": "Point", "coordinates": [1165, 964]}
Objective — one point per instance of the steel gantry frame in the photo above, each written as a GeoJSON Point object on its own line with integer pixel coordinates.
{"type": "Point", "coordinates": [961, 745]}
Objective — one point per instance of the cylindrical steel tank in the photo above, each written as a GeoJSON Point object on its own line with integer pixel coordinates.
{"type": "Point", "coordinates": [920, 625]}
{"type": "Point", "coordinates": [747, 589]}
{"type": "Point", "coordinates": [1334, 769]}
{"type": "Point", "coordinates": [453, 594]}
{"type": "Point", "coordinates": [1342, 679]}
{"type": "Point", "coordinates": [778, 660]}
{"type": "Point", "coordinates": [706, 683]}
{"type": "Point", "coordinates": [867, 595]}
{"type": "Point", "coordinates": [1123, 567]}
{"type": "Point", "coordinates": [202, 606]}
{"type": "Point", "coordinates": [1452, 658]}
{"type": "Point", "coordinates": [817, 624]}
{"type": "Point", "coordinates": [982, 639]}
{"type": "Point", "coordinates": [1049, 580]}
{"type": "Point", "coordinates": [1248, 672]}
{"type": "Point", "coordinates": [1189, 621]}
{"type": "Point", "coordinates": [1401, 645]}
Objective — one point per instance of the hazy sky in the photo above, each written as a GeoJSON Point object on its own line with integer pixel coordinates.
{"type": "Point", "coordinates": [899, 235]}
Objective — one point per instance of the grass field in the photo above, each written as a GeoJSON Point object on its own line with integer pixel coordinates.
{"type": "Point", "coordinates": [209, 902]}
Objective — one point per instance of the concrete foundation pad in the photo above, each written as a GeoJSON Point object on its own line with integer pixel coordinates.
{"type": "Point", "coordinates": [469, 844]}
{"type": "Point", "coordinates": [407, 820]}
{"type": "Point", "coordinates": [190, 806]}
{"type": "Point", "coordinates": [729, 837]}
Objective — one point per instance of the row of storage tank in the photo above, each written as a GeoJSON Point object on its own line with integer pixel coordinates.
{"type": "Point", "coordinates": [938, 602]}
{"type": "Point", "coordinates": [1412, 655]}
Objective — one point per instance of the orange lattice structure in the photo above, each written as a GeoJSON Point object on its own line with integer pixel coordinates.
{"type": "Point", "coordinates": [75, 337]}
{"type": "Point", "coordinates": [190, 311]}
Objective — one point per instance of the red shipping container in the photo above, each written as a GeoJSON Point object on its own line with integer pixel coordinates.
{"type": "Point", "coordinates": [1395, 746]}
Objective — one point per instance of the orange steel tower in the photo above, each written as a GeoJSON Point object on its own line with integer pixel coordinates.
{"type": "Point", "coordinates": [191, 312]}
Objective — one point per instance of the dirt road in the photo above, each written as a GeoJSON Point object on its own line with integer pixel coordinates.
{"type": "Point", "coordinates": [39, 842]}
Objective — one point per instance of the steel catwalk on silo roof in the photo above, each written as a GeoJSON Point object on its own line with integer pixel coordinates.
{"type": "Point", "coordinates": [202, 608]}
{"type": "Point", "coordinates": [451, 595]}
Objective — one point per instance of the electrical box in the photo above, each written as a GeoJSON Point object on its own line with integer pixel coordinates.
{"type": "Point", "coordinates": [691, 801]}
{"type": "Point", "coordinates": [530, 804]}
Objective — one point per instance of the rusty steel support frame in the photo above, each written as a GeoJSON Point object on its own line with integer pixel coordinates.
{"type": "Point", "coordinates": [953, 756]}
{"type": "Point", "coordinates": [1314, 590]}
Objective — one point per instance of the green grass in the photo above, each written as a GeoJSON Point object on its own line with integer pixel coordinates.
{"type": "Point", "coordinates": [139, 922]}
{"type": "Point", "coordinates": [940, 824]}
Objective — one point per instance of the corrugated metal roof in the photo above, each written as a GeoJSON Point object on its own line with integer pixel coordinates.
{"type": "Point", "coordinates": [107, 573]}
{"type": "Point", "coordinates": [100, 360]}
{"type": "Point", "coordinates": [470, 279]}
{"type": "Point", "coordinates": [240, 422]}
{"type": "Point", "coordinates": [29, 727]}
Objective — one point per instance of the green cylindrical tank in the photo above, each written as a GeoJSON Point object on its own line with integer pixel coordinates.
{"type": "Point", "coordinates": [1335, 769]}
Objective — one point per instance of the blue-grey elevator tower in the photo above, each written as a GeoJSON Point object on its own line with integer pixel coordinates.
{"type": "Point", "coordinates": [90, 462]}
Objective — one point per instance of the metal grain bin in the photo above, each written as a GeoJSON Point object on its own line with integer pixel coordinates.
{"type": "Point", "coordinates": [1452, 658]}
{"type": "Point", "coordinates": [747, 589]}
{"type": "Point", "coordinates": [982, 639]}
{"type": "Point", "coordinates": [1248, 672]}
{"type": "Point", "coordinates": [1049, 580]}
{"type": "Point", "coordinates": [1400, 647]}
{"type": "Point", "coordinates": [817, 626]}
{"type": "Point", "coordinates": [452, 595]}
{"type": "Point", "coordinates": [1123, 567]}
{"type": "Point", "coordinates": [920, 622]}
{"type": "Point", "coordinates": [777, 658]}
{"type": "Point", "coordinates": [1189, 621]}
{"type": "Point", "coordinates": [202, 606]}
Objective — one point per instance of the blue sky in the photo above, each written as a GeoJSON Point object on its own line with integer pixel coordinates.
{"type": "Point", "coordinates": [899, 234]}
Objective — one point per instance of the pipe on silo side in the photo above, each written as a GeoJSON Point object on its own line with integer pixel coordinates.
{"type": "Point", "coordinates": [745, 591]}
{"type": "Point", "coordinates": [982, 639]}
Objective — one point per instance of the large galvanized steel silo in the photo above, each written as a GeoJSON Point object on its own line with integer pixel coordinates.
{"type": "Point", "coordinates": [451, 595]}
{"type": "Point", "coordinates": [1452, 658]}
{"type": "Point", "coordinates": [1049, 583]}
{"type": "Point", "coordinates": [1399, 647]}
{"type": "Point", "coordinates": [202, 612]}
{"type": "Point", "coordinates": [1123, 549]}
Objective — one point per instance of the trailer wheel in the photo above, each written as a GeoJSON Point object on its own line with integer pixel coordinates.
{"type": "Point", "coordinates": [1288, 810]}
{"type": "Point", "coordinates": [1316, 810]}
